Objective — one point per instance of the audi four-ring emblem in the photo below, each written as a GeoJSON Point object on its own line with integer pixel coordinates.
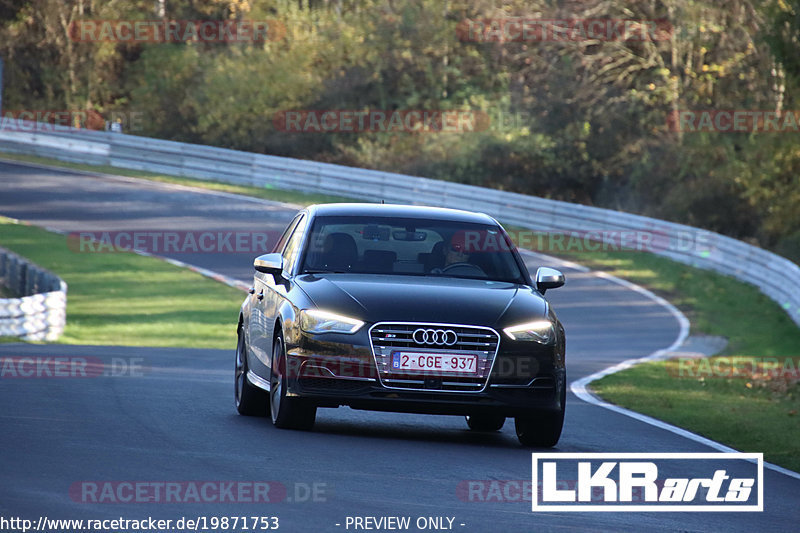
{"type": "Point", "coordinates": [441, 337]}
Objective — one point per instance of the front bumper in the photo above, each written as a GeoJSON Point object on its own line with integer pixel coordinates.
{"type": "Point", "coordinates": [526, 378]}
{"type": "Point", "coordinates": [495, 400]}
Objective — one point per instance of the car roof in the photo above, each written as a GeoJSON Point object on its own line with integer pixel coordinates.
{"type": "Point", "coordinates": [399, 210]}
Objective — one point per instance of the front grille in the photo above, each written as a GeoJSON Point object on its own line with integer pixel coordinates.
{"type": "Point", "coordinates": [389, 337]}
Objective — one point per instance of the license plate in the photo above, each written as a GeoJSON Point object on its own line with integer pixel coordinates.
{"type": "Point", "coordinates": [434, 362]}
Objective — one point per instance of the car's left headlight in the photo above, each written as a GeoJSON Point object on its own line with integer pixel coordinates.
{"type": "Point", "coordinates": [318, 321]}
{"type": "Point", "coordinates": [541, 331]}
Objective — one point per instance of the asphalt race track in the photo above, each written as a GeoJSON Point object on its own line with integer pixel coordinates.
{"type": "Point", "coordinates": [173, 418]}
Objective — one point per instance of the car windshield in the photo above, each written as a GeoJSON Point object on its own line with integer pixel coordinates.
{"type": "Point", "coordinates": [410, 246]}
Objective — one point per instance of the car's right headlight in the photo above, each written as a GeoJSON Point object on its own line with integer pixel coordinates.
{"type": "Point", "coordinates": [319, 321]}
{"type": "Point", "coordinates": [541, 331]}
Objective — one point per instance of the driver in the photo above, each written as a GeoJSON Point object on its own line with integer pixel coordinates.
{"type": "Point", "coordinates": [455, 253]}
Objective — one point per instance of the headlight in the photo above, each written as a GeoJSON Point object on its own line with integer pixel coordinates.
{"type": "Point", "coordinates": [317, 321]}
{"type": "Point", "coordinates": [541, 331]}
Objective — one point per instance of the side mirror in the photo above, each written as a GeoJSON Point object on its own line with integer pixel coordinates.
{"type": "Point", "coordinates": [548, 278]}
{"type": "Point", "coordinates": [269, 263]}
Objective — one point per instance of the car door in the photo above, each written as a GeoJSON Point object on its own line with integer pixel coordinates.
{"type": "Point", "coordinates": [260, 328]}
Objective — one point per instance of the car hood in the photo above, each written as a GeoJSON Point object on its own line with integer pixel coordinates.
{"type": "Point", "coordinates": [378, 298]}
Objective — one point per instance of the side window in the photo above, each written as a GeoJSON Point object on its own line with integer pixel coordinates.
{"type": "Point", "coordinates": [291, 252]}
{"type": "Point", "coordinates": [287, 232]}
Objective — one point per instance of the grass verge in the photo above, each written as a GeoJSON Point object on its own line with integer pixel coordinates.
{"type": "Point", "coordinates": [127, 299]}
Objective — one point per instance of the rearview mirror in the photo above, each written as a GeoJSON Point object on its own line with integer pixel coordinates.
{"type": "Point", "coordinates": [401, 235]}
{"type": "Point", "coordinates": [269, 263]}
{"type": "Point", "coordinates": [548, 278]}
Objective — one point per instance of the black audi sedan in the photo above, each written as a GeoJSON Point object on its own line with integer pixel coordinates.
{"type": "Point", "coordinates": [406, 309]}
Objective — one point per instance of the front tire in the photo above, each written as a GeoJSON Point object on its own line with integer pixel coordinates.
{"type": "Point", "coordinates": [250, 400]}
{"type": "Point", "coordinates": [542, 431]}
{"type": "Point", "coordinates": [287, 412]}
{"type": "Point", "coordinates": [539, 431]}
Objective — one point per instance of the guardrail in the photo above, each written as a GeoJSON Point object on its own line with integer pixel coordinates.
{"type": "Point", "coordinates": [40, 312]}
{"type": "Point", "coordinates": [776, 276]}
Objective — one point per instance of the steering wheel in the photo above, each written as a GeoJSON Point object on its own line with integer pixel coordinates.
{"type": "Point", "coordinates": [464, 269]}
